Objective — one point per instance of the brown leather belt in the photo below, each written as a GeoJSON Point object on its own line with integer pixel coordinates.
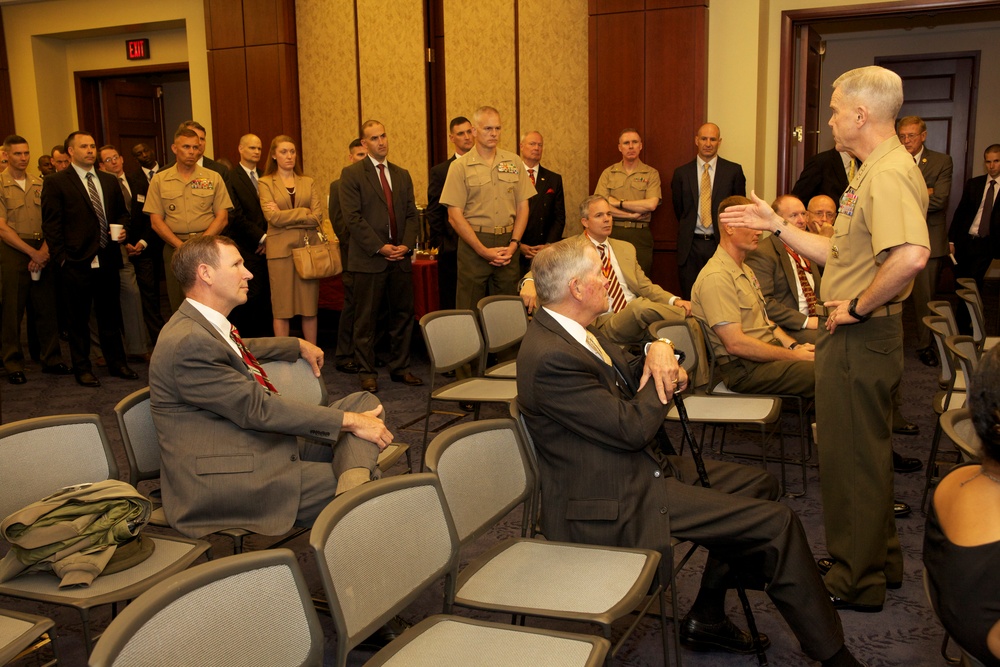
{"type": "Point", "coordinates": [485, 229]}
{"type": "Point", "coordinates": [894, 308]}
{"type": "Point", "coordinates": [629, 224]}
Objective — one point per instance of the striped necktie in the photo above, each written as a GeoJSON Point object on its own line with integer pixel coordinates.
{"type": "Point", "coordinates": [802, 266]}
{"type": "Point", "coordinates": [251, 361]}
{"type": "Point", "coordinates": [95, 202]}
{"type": "Point", "coordinates": [618, 300]}
{"type": "Point", "coordinates": [705, 203]}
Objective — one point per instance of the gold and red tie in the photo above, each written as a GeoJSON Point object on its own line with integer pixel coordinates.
{"type": "Point", "coordinates": [802, 266]}
{"type": "Point", "coordinates": [251, 361]}
{"type": "Point", "coordinates": [618, 300]}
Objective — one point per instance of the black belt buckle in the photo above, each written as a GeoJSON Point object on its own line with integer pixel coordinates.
{"type": "Point", "coordinates": [707, 237]}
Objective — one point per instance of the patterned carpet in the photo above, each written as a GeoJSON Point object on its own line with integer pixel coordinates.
{"type": "Point", "coordinates": [905, 633]}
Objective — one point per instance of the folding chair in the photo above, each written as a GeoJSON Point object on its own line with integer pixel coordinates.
{"type": "Point", "coordinates": [250, 609]}
{"type": "Point", "coordinates": [957, 426]}
{"type": "Point", "coordinates": [23, 634]}
{"type": "Point", "coordinates": [504, 321]}
{"type": "Point", "coordinates": [486, 472]}
{"type": "Point", "coordinates": [975, 307]}
{"type": "Point", "coordinates": [404, 519]}
{"type": "Point", "coordinates": [453, 340]}
{"type": "Point", "coordinates": [44, 454]}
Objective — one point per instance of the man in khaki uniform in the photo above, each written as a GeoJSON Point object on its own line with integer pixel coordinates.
{"type": "Point", "coordinates": [185, 200]}
{"type": "Point", "coordinates": [24, 250]}
{"type": "Point", "coordinates": [633, 190]}
{"type": "Point", "coordinates": [871, 260]}
{"type": "Point", "coordinates": [487, 192]}
{"type": "Point", "coordinates": [754, 355]}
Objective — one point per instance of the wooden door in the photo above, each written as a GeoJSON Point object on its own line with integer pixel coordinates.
{"type": "Point", "coordinates": [133, 113]}
{"type": "Point", "coordinates": [941, 89]}
{"type": "Point", "coordinates": [806, 120]}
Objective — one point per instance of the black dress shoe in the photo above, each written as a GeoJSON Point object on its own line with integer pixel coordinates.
{"type": "Point", "coordinates": [407, 378]}
{"type": "Point", "coordinates": [721, 636]}
{"type": "Point", "coordinates": [87, 379]}
{"type": "Point", "coordinates": [907, 429]}
{"type": "Point", "coordinates": [905, 463]}
{"type": "Point", "coordinates": [349, 367]}
{"type": "Point", "coordinates": [124, 372]}
{"type": "Point", "coordinates": [901, 509]}
{"type": "Point", "coordinates": [927, 356]}
{"type": "Point", "coordinates": [57, 369]}
{"type": "Point", "coordinates": [17, 377]}
{"type": "Point", "coordinates": [467, 406]}
{"type": "Point", "coordinates": [369, 385]}
{"type": "Point", "coordinates": [841, 603]}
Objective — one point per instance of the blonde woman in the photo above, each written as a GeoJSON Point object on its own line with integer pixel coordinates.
{"type": "Point", "coordinates": [291, 204]}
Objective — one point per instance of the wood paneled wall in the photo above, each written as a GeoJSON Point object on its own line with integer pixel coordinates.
{"type": "Point", "coordinates": [253, 72]}
{"type": "Point", "coordinates": [648, 70]}
{"type": "Point", "coordinates": [6, 104]}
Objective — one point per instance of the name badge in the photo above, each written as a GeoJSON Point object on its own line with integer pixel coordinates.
{"type": "Point", "coordinates": [96, 264]}
{"type": "Point", "coordinates": [141, 199]}
{"type": "Point", "coordinates": [847, 203]}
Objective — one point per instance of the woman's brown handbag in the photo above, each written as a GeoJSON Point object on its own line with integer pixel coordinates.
{"type": "Point", "coordinates": [319, 260]}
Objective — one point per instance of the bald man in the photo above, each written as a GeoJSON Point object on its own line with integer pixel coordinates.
{"type": "Point", "coordinates": [821, 213]}
{"type": "Point", "coordinates": [697, 189]}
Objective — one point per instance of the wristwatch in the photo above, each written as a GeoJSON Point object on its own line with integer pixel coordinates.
{"type": "Point", "coordinates": [851, 310]}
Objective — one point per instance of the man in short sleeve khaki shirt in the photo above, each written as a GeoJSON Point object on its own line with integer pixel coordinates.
{"type": "Point", "coordinates": [183, 201]}
{"type": "Point", "coordinates": [487, 192]}
{"type": "Point", "coordinates": [633, 190]}
{"type": "Point", "coordinates": [879, 244]}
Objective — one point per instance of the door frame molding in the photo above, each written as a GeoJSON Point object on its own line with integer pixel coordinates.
{"type": "Point", "coordinates": [792, 19]}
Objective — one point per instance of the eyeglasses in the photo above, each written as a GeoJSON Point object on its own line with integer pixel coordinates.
{"type": "Point", "coordinates": [905, 137]}
{"type": "Point", "coordinates": [113, 158]}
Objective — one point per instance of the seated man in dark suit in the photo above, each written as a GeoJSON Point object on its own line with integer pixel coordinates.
{"type": "Point", "coordinates": [594, 412]}
{"type": "Point", "coordinates": [228, 439]}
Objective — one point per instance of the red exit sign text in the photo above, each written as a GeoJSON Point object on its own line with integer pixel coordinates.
{"type": "Point", "coordinates": [137, 49]}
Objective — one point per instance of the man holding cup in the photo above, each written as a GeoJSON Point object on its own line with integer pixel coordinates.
{"type": "Point", "coordinates": [23, 256]}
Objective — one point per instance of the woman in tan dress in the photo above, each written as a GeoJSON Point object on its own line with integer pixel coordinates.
{"type": "Point", "coordinates": [292, 207]}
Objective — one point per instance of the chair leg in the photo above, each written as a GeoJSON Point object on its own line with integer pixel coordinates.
{"type": "Point", "coordinates": [751, 625]}
{"type": "Point", "coordinates": [931, 461]}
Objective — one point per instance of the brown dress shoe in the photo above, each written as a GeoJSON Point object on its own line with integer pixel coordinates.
{"type": "Point", "coordinates": [407, 378]}
{"type": "Point", "coordinates": [369, 385]}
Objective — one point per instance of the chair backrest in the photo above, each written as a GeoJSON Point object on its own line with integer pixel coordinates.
{"type": "Point", "coordinates": [965, 353]}
{"type": "Point", "coordinates": [504, 320]}
{"type": "Point", "coordinates": [250, 609]}
{"type": "Point", "coordinates": [484, 472]}
{"type": "Point", "coordinates": [399, 520]}
{"type": "Point", "coordinates": [452, 338]}
{"type": "Point", "coordinates": [957, 425]}
{"type": "Point", "coordinates": [975, 308]}
{"type": "Point", "coordinates": [940, 331]}
{"type": "Point", "coordinates": [44, 454]}
{"type": "Point", "coordinates": [944, 309]}
{"type": "Point", "coordinates": [295, 379]}
{"type": "Point", "coordinates": [142, 446]}
{"type": "Point", "coordinates": [713, 384]}
{"type": "Point", "coordinates": [681, 337]}
{"type": "Point", "coordinates": [970, 284]}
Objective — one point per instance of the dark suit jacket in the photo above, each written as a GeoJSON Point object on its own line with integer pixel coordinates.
{"type": "Point", "coordinates": [442, 235]}
{"type": "Point", "coordinates": [366, 213]}
{"type": "Point", "coordinates": [228, 447]}
{"type": "Point", "coordinates": [139, 225]}
{"type": "Point", "coordinates": [685, 189]}
{"type": "Point", "coordinates": [339, 224]}
{"type": "Point", "coordinates": [546, 210]}
{"type": "Point", "coordinates": [597, 470]}
{"type": "Point", "coordinates": [246, 222]}
{"type": "Point", "coordinates": [822, 174]}
{"type": "Point", "coordinates": [71, 227]}
{"type": "Point", "coordinates": [936, 168]}
{"type": "Point", "coordinates": [778, 282]}
{"type": "Point", "coordinates": [968, 206]}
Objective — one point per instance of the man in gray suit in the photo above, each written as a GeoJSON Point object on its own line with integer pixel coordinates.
{"type": "Point", "coordinates": [229, 453]}
{"type": "Point", "coordinates": [936, 169]}
{"type": "Point", "coordinates": [594, 412]}
{"type": "Point", "coordinates": [376, 199]}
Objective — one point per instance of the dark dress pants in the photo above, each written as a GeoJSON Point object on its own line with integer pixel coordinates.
{"type": "Point", "coordinates": [84, 285]}
{"type": "Point", "coordinates": [391, 290]}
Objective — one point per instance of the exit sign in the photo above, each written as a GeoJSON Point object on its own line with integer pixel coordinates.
{"type": "Point", "coordinates": [137, 49]}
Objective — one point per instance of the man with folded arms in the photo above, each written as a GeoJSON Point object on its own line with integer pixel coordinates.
{"type": "Point", "coordinates": [594, 413]}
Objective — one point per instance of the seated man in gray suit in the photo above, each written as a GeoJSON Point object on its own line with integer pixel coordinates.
{"type": "Point", "coordinates": [229, 453]}
{"type": "Point", "coordinates": [594, 413]}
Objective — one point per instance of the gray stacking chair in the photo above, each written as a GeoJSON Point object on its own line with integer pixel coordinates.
{"type": "Point", "coordinates": [22, 634]}
{"type": "Point", "coordinates": [453, 340]}
{"type": "Point", "coordinates": [957, 425]}
{"type": "Point", "coordinates": [504, 321]}
{"type": "Point", "coordinates": [485, 472]}
{"type": "Point", "coordinates": [975, 306]}
{"type": "Point", "coordinates": [404, 520]}
{"type": "Point", "coordinates": [252, 610]}
{"type": "Point", "coordinates": [44, 454]}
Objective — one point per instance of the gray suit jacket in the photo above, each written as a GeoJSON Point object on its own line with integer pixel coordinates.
{"type": "Point", "coordinates": [227, 445]}
{"type": "Point", "coordinates": [778, 282]}
{"type": "Point", "coordinates": [936, 168]}
{"type": "Point", "coordinates": [366, 213]}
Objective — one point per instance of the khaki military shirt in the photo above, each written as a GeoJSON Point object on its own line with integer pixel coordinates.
{"type": "Point", "coordinates": [22, 209]}
{"type": "Point", "coordinates": [885, 206]}
{"type": "Point", "coordinates": [488, 196]}
{"type": "Point", "coordinates": [726, 293]}
{"type": "Point", "coordinates": [187, 207]}
{"type": "Point", "coordinates": [642, 183]}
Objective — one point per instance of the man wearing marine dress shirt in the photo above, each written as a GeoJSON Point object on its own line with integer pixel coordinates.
{"type": "Point", "coordinates": [547, 209]}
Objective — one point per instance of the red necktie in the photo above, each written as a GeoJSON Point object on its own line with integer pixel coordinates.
{"type": "Point", "coordinates": [801, 266]}
{"type": "Point", "coordinates": [618, 300]}
{"type": "Point", "coordinates": [251, 362]}
{"type": "Point", "coordinates": [388, 201]}
{"type": "Point", "coordinates": [531, 174]}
